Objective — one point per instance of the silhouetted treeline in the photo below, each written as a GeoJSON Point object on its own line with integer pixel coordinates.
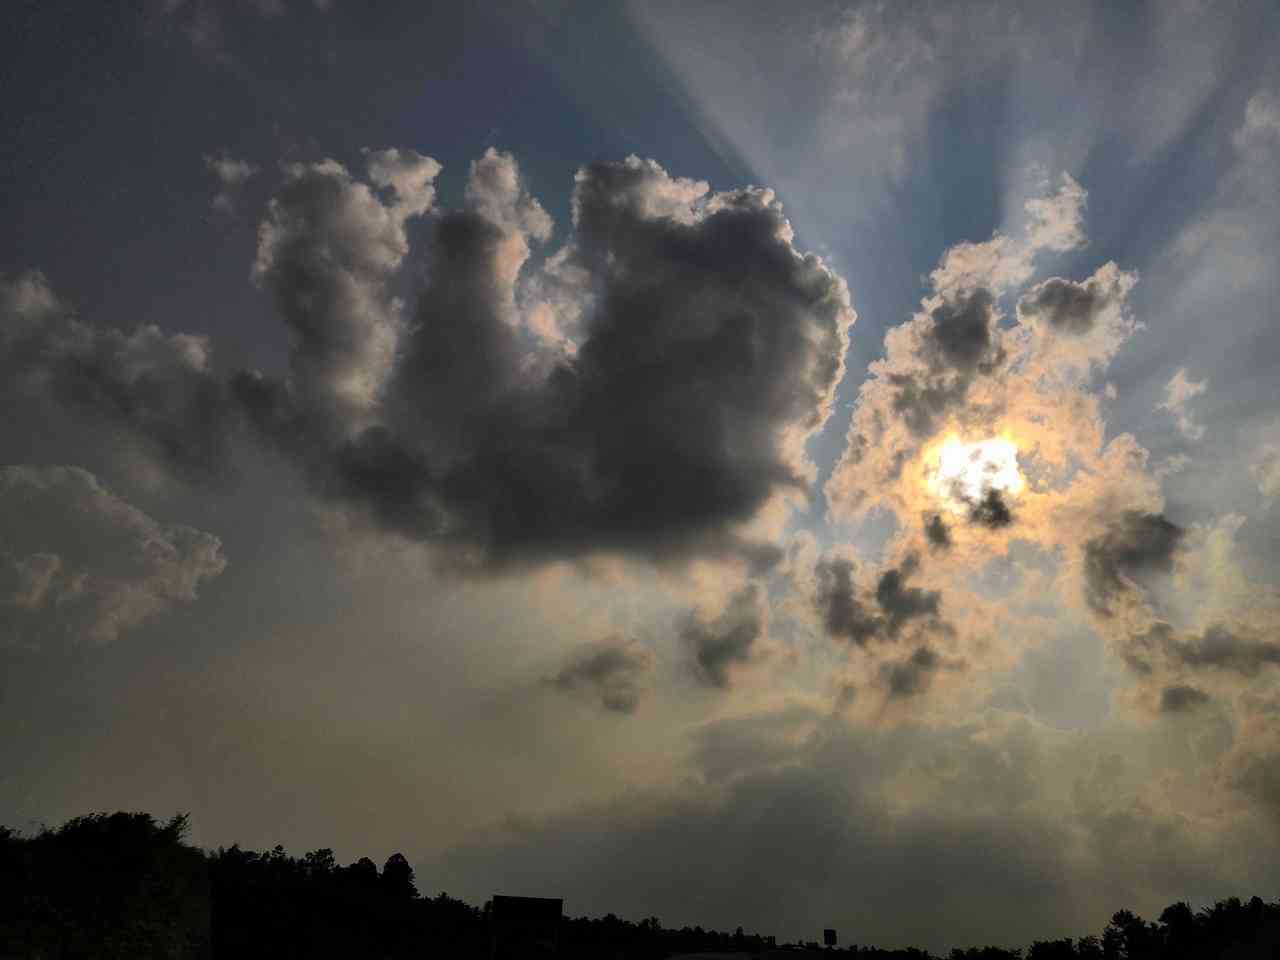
{"type": "Point", "coordinates": [126, 886]}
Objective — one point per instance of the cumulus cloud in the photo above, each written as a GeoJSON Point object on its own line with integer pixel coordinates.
{"type": "Point", "coordinates": [709, 350]}
{"type": "Point", "coordinates": [952, 364]}
{"type": "Point", "coordinates": [843, 614]}
{"type": "Point", "coordinates": [326, 252]}
{"type": "Point", "coordinates": [614, 672]}
{"type": "Point", "coordinates": [696, 351]}
{"type": "Point", "coordinates": [152, 386]}
{"type": "Point", "coordinates": [1066, 306]}
{"type": "Point", "coordinates": [936, 532]}
{"type": "Point", "coordinates": [1182, 698]}
{"type": "Point", "coordinates": [910, 676]}
{"type": "Point", "coordinates": [1225, 649]}
{"type": "Point", "coordinates": [1056, 221]}
{"type": "Point", "coordinates": [1188, 667]}
{"type": "Point", "coordinates": [991, 511]}
{"type": "Point", "coordinates": [721, 644]}
{"type": "Point", "coordinates": [1134, 545]}
{"type": "Point", "coordinates": [1178, 392]}
{"type": "Point", "coordinates": [230, 174]}
{"type": "Point", "coordinates": [78, 564]}
{"type": "Point", "coordinates": [880, 614]}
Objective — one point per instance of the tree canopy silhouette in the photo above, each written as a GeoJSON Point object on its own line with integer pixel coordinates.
{"type": "Point", "coordinates": [125, 885]}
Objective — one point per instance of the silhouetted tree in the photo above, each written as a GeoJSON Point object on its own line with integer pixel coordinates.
{"type": "Point", "coordinates": [397, 877]}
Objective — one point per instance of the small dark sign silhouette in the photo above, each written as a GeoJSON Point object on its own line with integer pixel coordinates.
{"type": "Point", "coordinates": [524, 927]}
{"type": "Point", "coordinates": [829, 937]}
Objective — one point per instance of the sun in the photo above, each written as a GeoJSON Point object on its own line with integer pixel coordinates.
{"type": "Point", "coordinates": [961, 474]}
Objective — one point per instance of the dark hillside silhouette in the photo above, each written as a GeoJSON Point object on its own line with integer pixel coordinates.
{"type": "Point", "coordinates": [127, 886]}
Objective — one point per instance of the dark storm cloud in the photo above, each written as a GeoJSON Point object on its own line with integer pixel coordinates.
{"type": "Point", "coordinates": [1223, 649]}
{"type": "Point", "coordinates": [720, 644]}
{"type": "Point", "coordinates": [962, 334]}
{"type": "Point", "coordinates": [847, 616]}
{"type": "Point", "coordinates": [1181, 698]}
{"type": "Point", "coordinates": [396, 481]}
{"type": "Point", "coordinates": [1217, 647]}
{"type": "Point", "coordinates": [843, 614]}
{"type": "Point", "coordinates": [1067, 306]}
{"type": "Point", "coordinates": [613, 671]}
{"type": "Point", "coordinates": [937, 532]}
{"type": "Point", "coordinates": [712, 348]}
{"type": "Point", "coordinates": [957, 345]}
{"type": "Point", "coordinates": [900, 603]}
{"type": "Point", "coordinates": [922, 398]}
{"type": "Point", "coordinates": [1135, 544]}
{"type": "Point", "coordinates": [906, 678]}
{"type": "Point", "coordinates": [991, 511]}
{"type": "Point", "coordinates": [154, 387]}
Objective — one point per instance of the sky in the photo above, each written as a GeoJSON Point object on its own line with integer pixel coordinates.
{"type": "Point", "coordinates": [788, 465]}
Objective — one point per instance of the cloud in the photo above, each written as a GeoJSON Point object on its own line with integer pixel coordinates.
{"type": "Point", "coordinates": [1066, 306]}
{"type": "Point", "coordinates": [813, 808]}
{"type": "Point", "coordinates": [1134, 545]}
{"type": "Point", "coordinates": [613, 671]}
{"type": "Point", "coordinates": [697, 352]}
{"type": "Point", "coordinates": [151, 386]}
{"type": "Point", "coordinates": [1261, 121]}
{"type": "Point", "coordinates": [991, 511]}
{"type": "Point", "coordinates": [953, 365]}
{"type": "Point", "coordinates": [78, 564]}
{"type": "Point", "coordinates": [326, 252]}
{"type": "Point", "coordinates": [906, 678]}
{"type": "Point", "coordinates": [846, 616]}
{"type": "Point", "coordinates": [1240, 649]}
{"type": "Point", "coordinates": [1224, 649]}
{"type": "Point", "coordinates": [1177, 393]}
{"type": "Point", "coordinates": [1264, 465]}
{"type": "Point", "coordinates": [901, 603]}
{"type": "Point", "coordinates": [1056, 221]}
{"type": "Point", "coordinates": [727, 641]}
{"type": "Point", "coordinates": [708, 352]}
{"type": "Point", "coordinates": [1182, 699]}
{"type": "Point", "coordinates": [230, 174]}
{"type": "Point", "coordinates": [843, 614]}
{"type": "Point", "coordinates": [936, 532]}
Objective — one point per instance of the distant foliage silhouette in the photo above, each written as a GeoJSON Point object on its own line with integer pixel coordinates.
{"type": "Point", "coordinates": [124, 886]}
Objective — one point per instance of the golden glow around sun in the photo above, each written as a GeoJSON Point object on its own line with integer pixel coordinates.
{"type": "Point", "coordinates": [961, 474]}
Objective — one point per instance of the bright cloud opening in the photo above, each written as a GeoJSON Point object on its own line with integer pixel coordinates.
{"type": "Point", "coordinates": [961, 474]}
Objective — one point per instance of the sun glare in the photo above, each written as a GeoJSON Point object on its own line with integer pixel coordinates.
{"type": "Point", "coordinates": [961, 474]}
